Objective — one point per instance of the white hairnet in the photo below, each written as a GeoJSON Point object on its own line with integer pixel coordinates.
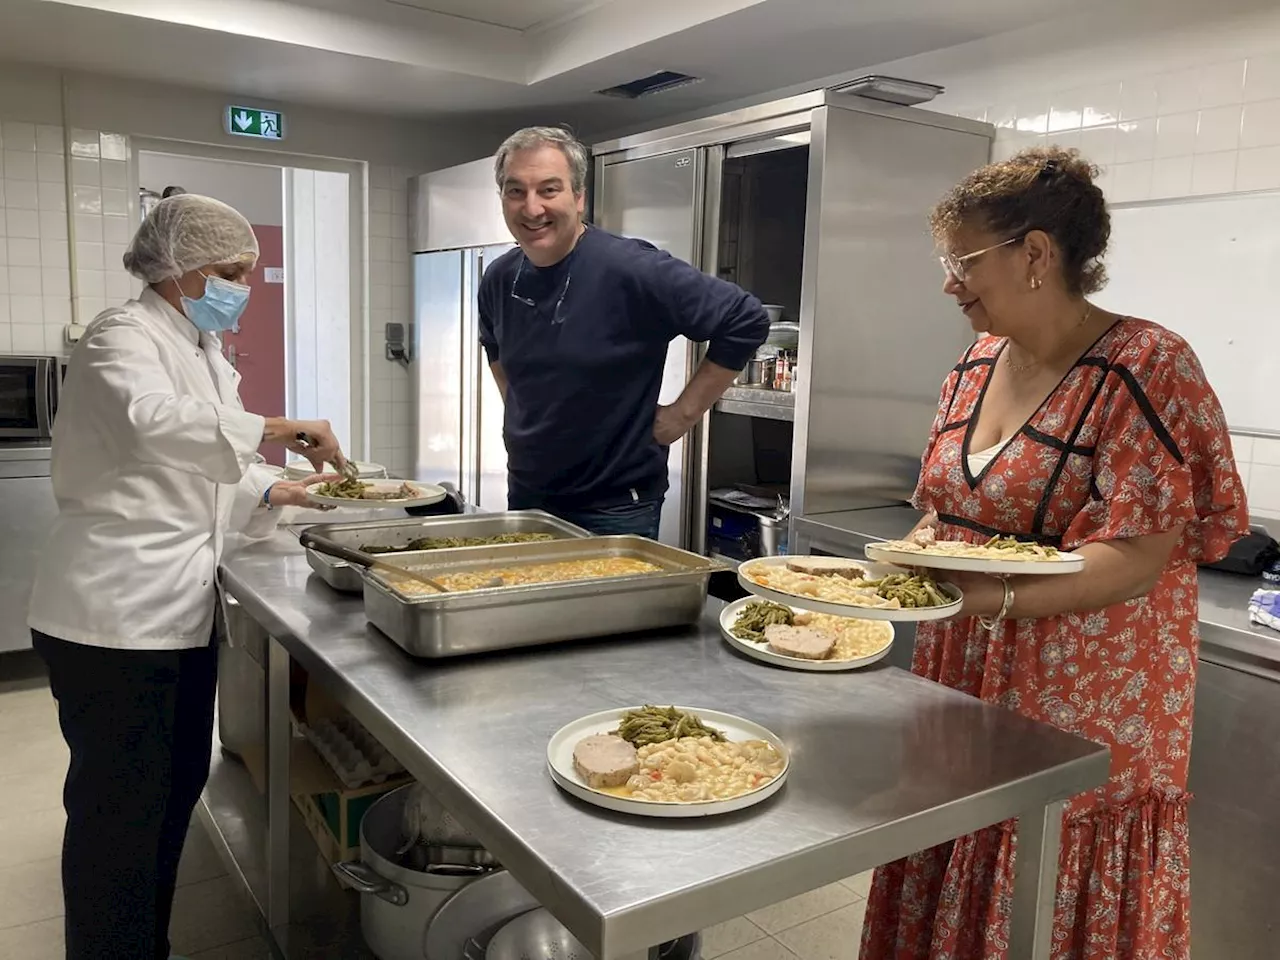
{"type": "Point", "coordinates": [185, 232]}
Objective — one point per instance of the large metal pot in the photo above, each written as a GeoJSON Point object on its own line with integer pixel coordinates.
{"type": "Point", "coordinates": [398, 903]}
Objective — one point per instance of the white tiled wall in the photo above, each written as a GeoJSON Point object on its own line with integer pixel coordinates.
{"type": "Point", "coordinates": [38, 235]}
{"type": "Point", "coordinates": [392, 388]}
{"type": "Point", "coordinates": [1207, 129]}
{"type": "Point", "coordinates": [1258, 460]}
{"type": "Point", "coordinates": [106, 216]}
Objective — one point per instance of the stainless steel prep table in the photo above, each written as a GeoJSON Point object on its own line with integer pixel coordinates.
{"type": "Point", "coordinates": [884, 764]}
{"type": "Point", "coordinates": [1235, 851]}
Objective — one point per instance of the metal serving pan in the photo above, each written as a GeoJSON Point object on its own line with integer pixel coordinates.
{"type": "Point", "coordinates": [503, 618]}
{"type": "Point", "coordinates": [342, 576]}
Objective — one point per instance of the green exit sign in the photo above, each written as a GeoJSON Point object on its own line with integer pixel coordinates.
{"type": "Point", "coordinates": [252, 122]}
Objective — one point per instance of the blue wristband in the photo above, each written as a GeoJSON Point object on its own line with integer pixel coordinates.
{"type": "Point", "coordinates": [266, 497]}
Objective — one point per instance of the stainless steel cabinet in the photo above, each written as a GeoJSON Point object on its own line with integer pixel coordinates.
{"type": "Point", "coordinates": [659, 199]}
{"type": "Point", "coordinates": [1235, 846]}
{"type": "Point", "coordinates": [28, 511]}
{"type": "Point", "coordinates": [877, 335]}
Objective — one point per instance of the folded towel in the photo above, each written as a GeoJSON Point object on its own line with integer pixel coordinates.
{"type": "Point", "coordinates": [1264, 608]}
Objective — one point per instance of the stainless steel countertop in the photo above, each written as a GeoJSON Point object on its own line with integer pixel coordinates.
{"type": "Point", "coordinates": [21, 450]}
{"type": "Point", "coordinates": [1227, 637]}
{"type": "Point", "coordinates": [884, 763]}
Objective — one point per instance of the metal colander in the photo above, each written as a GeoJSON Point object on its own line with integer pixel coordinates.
{"type": "Point", "coordinates": [536, 935]}
{"type": "Point", "coordinates": [426, 821]}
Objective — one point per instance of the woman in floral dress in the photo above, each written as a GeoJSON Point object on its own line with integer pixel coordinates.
{"type": "Point", "coordinates": [1073, 427]}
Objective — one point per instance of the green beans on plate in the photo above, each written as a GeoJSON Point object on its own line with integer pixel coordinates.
{"type": "Point", "coordinates": [660, 724]}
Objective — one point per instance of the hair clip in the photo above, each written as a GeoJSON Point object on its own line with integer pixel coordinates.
{"type": "Point", "coordinates": [1049, 170]}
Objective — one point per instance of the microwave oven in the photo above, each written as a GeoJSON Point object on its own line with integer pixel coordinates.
{"type": "Point", "coordinates": [28, 397]}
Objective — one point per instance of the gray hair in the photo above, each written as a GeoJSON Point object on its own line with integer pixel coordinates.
{"type": "Point", "coordinates": [574, 151]}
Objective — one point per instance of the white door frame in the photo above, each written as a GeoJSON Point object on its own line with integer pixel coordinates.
{"type": "Point", "coordinates": [357, 171]}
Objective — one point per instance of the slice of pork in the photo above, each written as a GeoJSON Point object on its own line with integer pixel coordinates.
{"type": "Point", "coordinates": [603, 760]}
{"type": "Point", "coordinates": [826, 567]}
{"type": "Point", "coordinates": [807, 643]}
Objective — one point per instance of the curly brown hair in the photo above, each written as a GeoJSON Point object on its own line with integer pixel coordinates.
{"type": "Point", "coordinates": [1044, 188]}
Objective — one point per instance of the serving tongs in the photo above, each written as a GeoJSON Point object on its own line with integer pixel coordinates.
{"type": "Point", "coordinates": [348, 471]}
{"type": "Point", "coordinates": [331, 549]}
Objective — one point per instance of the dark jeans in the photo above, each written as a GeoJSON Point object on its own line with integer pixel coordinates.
{"type": "Point", "coordinates": [140, 727]}
{"type": "Point", "coordinates": [641, 519]}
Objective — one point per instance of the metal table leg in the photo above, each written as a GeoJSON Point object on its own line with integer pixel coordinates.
{"type": "Point", "coordinates": [279, 734]}
{"type": "Point", "coordinates": [1035, 882]}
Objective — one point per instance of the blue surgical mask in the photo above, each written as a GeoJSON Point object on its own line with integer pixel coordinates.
{"type": "Point", "coordinates": [220, 308]}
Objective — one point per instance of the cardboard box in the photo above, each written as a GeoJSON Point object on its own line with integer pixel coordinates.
{"type": "Point", "coordinates": [331, 812]}
{"type": "Point", "coordinates": [333, 818]}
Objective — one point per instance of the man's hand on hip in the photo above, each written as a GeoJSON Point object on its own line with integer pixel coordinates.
{"type": "Point", "coordinates": [669, 425]}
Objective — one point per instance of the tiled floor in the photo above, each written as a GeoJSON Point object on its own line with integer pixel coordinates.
{"type": "Point", "coordinates": [213, 920]}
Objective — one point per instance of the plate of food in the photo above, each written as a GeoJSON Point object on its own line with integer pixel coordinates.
{"type": "Point", "coordinates": [799, 640]}
{"type": "Point", "coordinates": [667, 761]}
{"type": "Point", "coordinates": [375, 493]}
{"type": "Point", "coordinates": [997, 555]}
{"type": "Point", "coordinates": [850, 588]}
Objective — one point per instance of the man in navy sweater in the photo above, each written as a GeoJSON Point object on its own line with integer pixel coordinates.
{"type": "Point", "coordinates": [576, 325]}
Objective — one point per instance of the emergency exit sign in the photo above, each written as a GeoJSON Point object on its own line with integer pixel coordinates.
{"type": "Point", "coordinates": [252, 122]}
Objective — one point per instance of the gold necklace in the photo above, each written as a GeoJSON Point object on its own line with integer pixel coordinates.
{"type": "Point", "coordinates": [1024, 367]}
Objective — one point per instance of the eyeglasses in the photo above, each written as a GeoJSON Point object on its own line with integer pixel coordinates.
{"type": "Point", "coordinates": [958, 266]}
{"type": "Point", "coordinates": [556, 317]}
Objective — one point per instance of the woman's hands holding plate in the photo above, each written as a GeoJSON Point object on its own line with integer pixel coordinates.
{"type": "Point", "coordinates": [293, 493]}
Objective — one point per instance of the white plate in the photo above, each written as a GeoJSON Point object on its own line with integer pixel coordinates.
{"type": "Point", "coordinates": [900, 615]}
{"type": "Point", "coordinates": [1066, 562]}
{"type": "Point", "coordinates": [428, 493]}
{"type": "Point", "coordinates": [761, 651]}
{"type": "Point", "coordinates": [301, 469]}
{"type": "Point", "coordinates": [560, 765]}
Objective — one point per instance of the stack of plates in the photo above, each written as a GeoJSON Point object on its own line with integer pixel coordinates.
{"type": "Point", "coordinates": [301, 469]}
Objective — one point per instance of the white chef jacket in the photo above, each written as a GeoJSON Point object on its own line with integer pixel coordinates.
{"type": "Point", "coordinates": [154, 460]}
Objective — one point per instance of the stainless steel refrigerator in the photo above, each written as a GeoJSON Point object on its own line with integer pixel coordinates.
{"type": "Point", "coordinates": [817, 204]}
{"type": "Point", "coordinates": [458, 231]}
{"type": "Point", "coordinates": [459, 407]}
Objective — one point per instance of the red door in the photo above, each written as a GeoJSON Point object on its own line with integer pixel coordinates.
{"type": "Point", "coordinates": [256, 348]}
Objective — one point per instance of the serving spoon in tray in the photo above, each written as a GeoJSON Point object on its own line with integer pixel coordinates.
{"type": "Point", "coordinates": [337, 550]}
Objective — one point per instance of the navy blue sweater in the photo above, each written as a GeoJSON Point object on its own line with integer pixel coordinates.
{"type": "Point", "coordinates": [584, 363]}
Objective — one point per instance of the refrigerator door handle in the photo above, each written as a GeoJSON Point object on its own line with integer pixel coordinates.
{"type": "Point", "coordinates": [473, 269]}
{"type": "Point", "coordinates": [46, 376]}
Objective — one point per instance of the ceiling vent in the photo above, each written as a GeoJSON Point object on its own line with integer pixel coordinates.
{"type": "Point", "coordinates": [907, 93]}
{"type": "Point", "coordinates": [659, 82]}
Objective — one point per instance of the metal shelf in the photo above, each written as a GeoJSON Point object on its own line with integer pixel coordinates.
{"type": "Point", "coordinates": [325, 918]}
{"type": "Point", "coordinates": [758, 402]}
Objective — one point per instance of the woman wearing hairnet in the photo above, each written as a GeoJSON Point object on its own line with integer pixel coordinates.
{"type": "Point", "coordinates": [154, 461]}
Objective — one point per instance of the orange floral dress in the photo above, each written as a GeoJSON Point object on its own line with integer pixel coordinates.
{"type": "Point", "coordinates": [1132, 442]}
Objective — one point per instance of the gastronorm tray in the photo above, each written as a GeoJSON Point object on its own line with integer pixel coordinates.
{"type": "Point", "coordinates": [503, 618]}
{"type": "Point", "coordinates": [342, 576]}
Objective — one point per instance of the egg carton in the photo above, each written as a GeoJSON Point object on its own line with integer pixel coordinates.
{"type": "Point", "coordinates": [351, 751]}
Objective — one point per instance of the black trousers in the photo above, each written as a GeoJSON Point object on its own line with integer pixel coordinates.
{"type": "Point", "coordinates": [140, 727]}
